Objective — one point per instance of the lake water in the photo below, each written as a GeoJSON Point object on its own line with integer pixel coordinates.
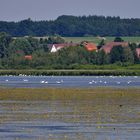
{"type": "Point", "coordinates": [70, 120]}
{"type": "Point", "coordinates": [69, 81]}
{"type": "Point", "coordinates": [97, 119]}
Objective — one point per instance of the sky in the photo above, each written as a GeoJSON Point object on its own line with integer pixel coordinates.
{"type": "Point", "coordinates": [17, 10]}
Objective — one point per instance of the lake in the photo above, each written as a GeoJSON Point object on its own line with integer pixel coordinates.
{"type": "Point", "coordinates": [70, 81]}
{"type": "Point", "coordinates": [99, 119]}
{"type": "Point", "coordinates": [98, 114]}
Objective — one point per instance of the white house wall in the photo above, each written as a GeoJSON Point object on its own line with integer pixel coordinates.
{"type": "Point", "coordinates": [53, 49]}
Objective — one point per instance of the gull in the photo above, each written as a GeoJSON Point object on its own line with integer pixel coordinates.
{"type": "Point", "coordinates": [90, 83]}
{"type": "Point", "coordinates": [94, 81]}
{"type": "Point", "coordinates": [118, 82]}
{"type": "Point", "coordinates": [25, 80]}
{"type": "Point", "coordinates": [46, 82]}
{"type": "Point", "coordinates": [42, 81]}
{"type": "Point", "coordinates": [6, 80]}
{"type": "Point", "coordinates": [58, 82]}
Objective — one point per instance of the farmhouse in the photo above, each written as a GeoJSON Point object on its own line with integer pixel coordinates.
{"type": "Point", "coordinates": [108, 46]}
{"type": "Point", "coordinates": [56, 47]}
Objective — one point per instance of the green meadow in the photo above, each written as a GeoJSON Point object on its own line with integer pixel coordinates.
{"type": "Point", "coordinates": [97, 39]}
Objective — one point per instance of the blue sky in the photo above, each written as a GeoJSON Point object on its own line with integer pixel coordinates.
{"type": "Point", "coordinates": [16, 10]}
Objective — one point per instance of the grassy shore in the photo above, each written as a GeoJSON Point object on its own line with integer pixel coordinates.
{"type": "Point", "coordinates": [117, 72]}
{"type": "Point", "coordinates": [46, 94]}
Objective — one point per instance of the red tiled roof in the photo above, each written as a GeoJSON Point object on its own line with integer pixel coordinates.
{"type": "Point", "coordinates": [28, 57]}
{"type": "Point", "coordinates": [138, 52]}
{"type": "Point", "coordinates": [108, 47]}
{"type": "Point", "coordinates": [90, 46]}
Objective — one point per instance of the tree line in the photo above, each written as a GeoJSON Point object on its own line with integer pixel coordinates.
{"type": "Point", "coordinates": [14, 50]}
{"type": "Point", "coordinates": [74, 26]}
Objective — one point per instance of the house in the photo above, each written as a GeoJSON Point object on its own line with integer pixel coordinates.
{"type": "Point", "coordinates": [56, 47]}
{"type": "Point", "coordinates": [28, 57]}
{"type": "Point", "coordinates": [138, 52]}
{"type": "Point", "coordinates": [90, 46]}
{"type": "Point", "coordinates": [108, 46]}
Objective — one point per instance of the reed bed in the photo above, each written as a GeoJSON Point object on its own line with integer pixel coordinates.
{"type": "Point", "coordinates": [127, 72]}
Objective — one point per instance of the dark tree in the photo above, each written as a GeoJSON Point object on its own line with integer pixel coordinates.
{"type": "Point", "coordinates": [118, 39]}
{"type": "Point", "coordinates": [74, 26]}
{"type": "Point", "coordinates": [5, 39]}
{"type": "Point", "coordinates": [116, 54]}
{"type": "Point", "coordinates": [55, 40]}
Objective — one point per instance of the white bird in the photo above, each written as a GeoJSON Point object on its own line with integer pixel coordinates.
{"type": "Point", "coordinates": [25, 80]}
{"type": "Point", "coordinates": [6, 80]}
{"type": "Point", "coordinates": [90, 83]}
{"type": "Point", "coordinates": [42, 81]}
{"type": "Point", "coordinates": [135, 76]}
{"type": "Point", "coordinates": [46, 82]}
{"type": "Point", "coordinates": [105, 82]}
{"type": "Point", "coordinates": [58, 82]}
{"type": "Point", "coordinates": [118, 82]}
{"type": "Point", "coordinates": [128, 82]}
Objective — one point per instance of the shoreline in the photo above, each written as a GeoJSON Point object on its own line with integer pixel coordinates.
{"type": "Point", "coordinates": [82, 72]}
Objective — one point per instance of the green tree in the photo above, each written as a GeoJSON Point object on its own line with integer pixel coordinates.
{"type": "Point", "coordinates": [101, 44]}
{"type": "Point", "coordinates": [127, 55]}
{"type": "Point", "coordinates": [116, 54]}
{"type": "Point", "coordinates": [102, 58]}
{"type": "Point", "coordinates": [55, 40]}
{"type": "Point", "coordinates": [21, 46]}
{"type": "Point", "coordinates": [34, 43]}
{"type": "Point", "coordinates": [133, 47]}
{"type": "Point", "coordinates": [5, 39]}
{"type": "Point", "coordinates": [118, 39]}
{"type": "Point", "coordinates": [44, 44]}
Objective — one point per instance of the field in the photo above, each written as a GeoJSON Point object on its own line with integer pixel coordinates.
{"type": "Point", "coordinates": [97, 39]}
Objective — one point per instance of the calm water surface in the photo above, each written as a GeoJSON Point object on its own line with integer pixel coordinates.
{"type": "Point", "coordinates": [69, 81]}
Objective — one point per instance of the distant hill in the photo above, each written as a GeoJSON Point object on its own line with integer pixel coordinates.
{"type": "Point", "coordinates": [74, 26]}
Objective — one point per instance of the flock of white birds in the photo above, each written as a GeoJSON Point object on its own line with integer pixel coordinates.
{"type": "Point", "coordinates": [96, 81]}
